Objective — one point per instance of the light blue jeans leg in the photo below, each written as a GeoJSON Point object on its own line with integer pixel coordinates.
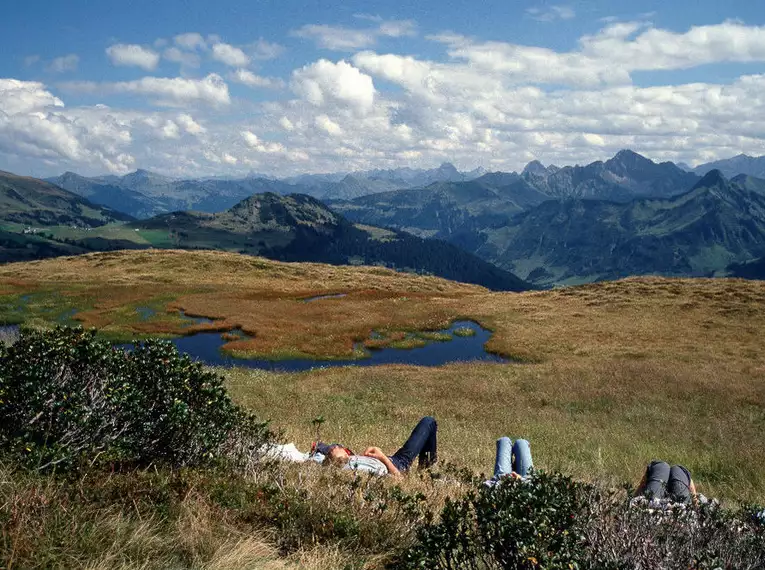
{"type": "Point", "coordinates": [522, 457]}
{"type": "Point", "coordinates": [503, 464]}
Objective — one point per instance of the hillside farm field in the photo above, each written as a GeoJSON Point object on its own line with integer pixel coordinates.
{"type": "Point", "coordinates": [609, 376]}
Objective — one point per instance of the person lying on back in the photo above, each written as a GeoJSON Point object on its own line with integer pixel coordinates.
{"type": "Point", "coordinates": [421, 445]}
{"type": "Point", "coordinates": [513, 459]}
{"type": "Point", "coordinates": [664, 483]}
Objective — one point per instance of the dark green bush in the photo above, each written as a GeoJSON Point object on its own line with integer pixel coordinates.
{"type": "Point", "coordinates": [67, 398]}
{"type": "Point", "coordinates": [552, 522]}
{"type": "Point", "coordinates": [515, 524]}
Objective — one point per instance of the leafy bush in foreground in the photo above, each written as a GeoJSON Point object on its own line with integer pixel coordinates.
{"type": "Point", "coordinates": [515, 524]}
{"type": "Point", "coordinates": [68, 398]}
{"type": "Point", "coordinates": [555, 523]}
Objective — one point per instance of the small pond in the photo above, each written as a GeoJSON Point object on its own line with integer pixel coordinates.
{"type": "Point", "coordinates": [466, 345]}
{"type": "Point", "coordinates": [206, 347]}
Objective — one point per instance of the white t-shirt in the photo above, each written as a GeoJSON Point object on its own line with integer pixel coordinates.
{"type": "Point", "coordinates": [366, 464]}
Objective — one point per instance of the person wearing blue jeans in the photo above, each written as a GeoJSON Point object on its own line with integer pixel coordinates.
{"type": "Point", "coordinates": [660, 481]}
{"type": "Point", "coordinates": [513, 458]}
{"type": "Point", "coordinates": [421, 445]}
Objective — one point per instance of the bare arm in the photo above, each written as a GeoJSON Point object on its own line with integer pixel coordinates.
{"type": "Point", "coordinates": [377, 453]}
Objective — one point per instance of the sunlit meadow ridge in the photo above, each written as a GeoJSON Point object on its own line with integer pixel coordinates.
{"type": "Point", "coordinates": [608, 376]}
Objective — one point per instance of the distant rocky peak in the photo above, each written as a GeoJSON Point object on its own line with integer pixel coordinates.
{"type": "Point", "coordinates": [712, 179]}
{"type": "Point", "coordinates": [535, 167]}
{"type": "Point", "coordinates": [476, 172]}
{"type": "Point", "coordinates": [447, 168]}
{"type": "Point", "coordinates": [629, 159]}
{"type": "Point", "coordinates": [142, 175]}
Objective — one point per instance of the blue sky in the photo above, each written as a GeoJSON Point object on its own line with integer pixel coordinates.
{"type": "Point", "coordinates": [193, 88]}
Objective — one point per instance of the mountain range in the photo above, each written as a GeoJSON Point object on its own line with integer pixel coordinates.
{"type": "Point", "coordinates": [730, 167]}
{"type": "Point", "coordinates": [550, 225]}
{"type": "Point", "coordinates": [553, 226]}
{"type": "Point", "coordinates": [143, 194]}
{"type": "Point", "coordinates": [39, 220]}
{"type": "Point", "coordinates": [446, 209]}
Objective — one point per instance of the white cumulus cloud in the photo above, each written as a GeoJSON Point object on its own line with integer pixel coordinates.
{"type": "Point", "coordinates": [339, 38]}
{"type": "Point", "coordinates": [325, 83]}
{"type": "Point", "coordinates": [35, 125]}
{"type": "Point", "coordinates": [166, 91]}
{"type": "Point", "coordinates": [133, 55]}
{"type": "Point", "coordinates": [328, 125]}
{"type": "Point", "coordinates": [230, 55]}
{"type": "Point", "coordinates": [247, 77]}
{"type": "Point", "coordinates": [253, 142]}
{"type": "Point", "coordinates": [471, 101]}
{"type": "Point", "coordinates": [182, 57]}
{"type": "Point", "coordinates": [189, 124]}
{"type": "Point", "coordinates": [190, 41]}
{"type": "Point", "coordinates": [170, 130]}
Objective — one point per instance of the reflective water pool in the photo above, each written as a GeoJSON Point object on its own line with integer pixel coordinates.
{"type": "Point", "coordinates": [206, 347]}
{"type": "Point", "coordinates": [467, 345]}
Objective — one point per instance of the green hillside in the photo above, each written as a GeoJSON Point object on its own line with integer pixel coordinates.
{"type": "Point", "coordinates": [300, 228]}
{"type": "Point", "coordinates": [568, 239]}
{"type": "Point", "coordinates": [695, 234]}
{"type": "Point", "coordinates": [443, 209]}
{"type": "Point", "coordinates": [40, 220]}
{"type": "Point", "coordinates": [25, 200]}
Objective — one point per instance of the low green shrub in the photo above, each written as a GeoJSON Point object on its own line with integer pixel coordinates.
{"type": "Point", "coordinates": [515, 524]}
{"type": "Point", "coordinates": [552, 522]}
{"type": "Point", "coordinates": [68, 398]}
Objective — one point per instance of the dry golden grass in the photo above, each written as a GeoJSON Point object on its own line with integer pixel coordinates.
{"type": "Point", "coordinates": [264, 298]}
{"type": "Point", "coordinates": [614, 374]}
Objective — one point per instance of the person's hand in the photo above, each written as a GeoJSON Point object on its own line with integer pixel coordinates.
{"type": "Point", "coordinates": [375, 452]}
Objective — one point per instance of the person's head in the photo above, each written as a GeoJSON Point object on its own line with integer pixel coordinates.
{"type": "Point", "coordinates": [338, 456]}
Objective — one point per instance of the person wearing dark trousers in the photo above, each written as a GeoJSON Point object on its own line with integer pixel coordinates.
{"type": "Point", "coordinates": [421, 445]}
{"type": "Point", "coordinates": [662, 481]}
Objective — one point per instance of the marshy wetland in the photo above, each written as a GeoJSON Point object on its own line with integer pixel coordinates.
{"type": "Point", "coordinates": [609, 375]}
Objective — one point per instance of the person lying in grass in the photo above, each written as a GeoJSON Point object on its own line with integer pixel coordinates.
{"type": "Point", "coordinates": [665, 483]}
{"type": "Point", "coordinates": [513, 460]}
{"type": "Point", "coordinates": [421, 445]}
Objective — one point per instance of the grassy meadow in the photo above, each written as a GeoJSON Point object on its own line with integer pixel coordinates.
{"type": "Point", "coordinates": [608, 376]}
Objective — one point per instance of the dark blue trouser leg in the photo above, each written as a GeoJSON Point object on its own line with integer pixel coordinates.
{"type": "Point", "coordinates": [657, 477]}
{"type": "Point", "coordinates": [421, 444]}
{"type": "Point", "coordinates": [679, 484]}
